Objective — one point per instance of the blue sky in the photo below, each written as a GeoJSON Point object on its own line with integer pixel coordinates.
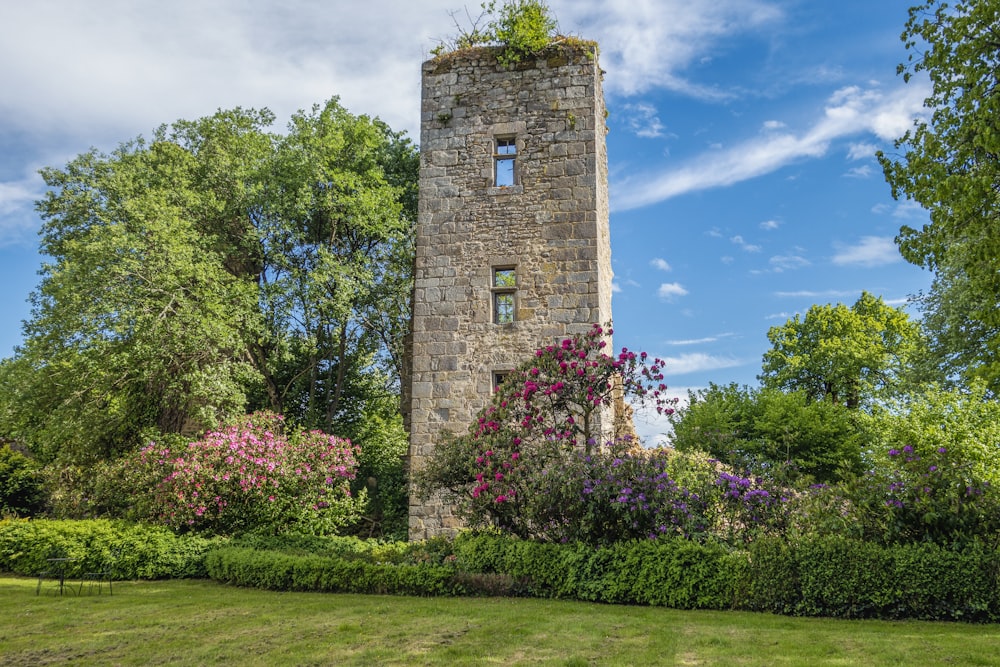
{"type": "Point", "coordinates": [743, 180]}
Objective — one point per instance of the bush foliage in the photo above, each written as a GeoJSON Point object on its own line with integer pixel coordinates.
{"type": "Point", "coordinates": [137, 551]}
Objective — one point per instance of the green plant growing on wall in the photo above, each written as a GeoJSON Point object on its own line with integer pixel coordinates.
{"type": "Point", "coordinates": [518, 27]}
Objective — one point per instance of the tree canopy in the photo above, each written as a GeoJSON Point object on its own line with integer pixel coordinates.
{"type": "Point", "coordinates": [949, 163]}
{"type": "Point", "coordinates": [845, 355]}
{"type": "Point", "coordinates": [214, 268]}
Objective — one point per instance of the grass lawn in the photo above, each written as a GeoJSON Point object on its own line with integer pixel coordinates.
{"type": "Point", "coordinates": [202, 623]}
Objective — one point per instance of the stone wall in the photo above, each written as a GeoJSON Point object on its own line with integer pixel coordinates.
{"type": "Point", "coordinates": [550, 226]}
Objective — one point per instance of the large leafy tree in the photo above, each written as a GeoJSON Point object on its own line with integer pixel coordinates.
{"type": "Point", "coordinates": [949, 163]}
{"type": "Point", "coordinates": [845, 355]}
{"type": "Point", "coordinates": [759, 428]}
{"type": "Point", "coordinates": [214, 268]}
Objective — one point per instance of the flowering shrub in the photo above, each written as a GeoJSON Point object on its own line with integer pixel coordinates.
{"type": "Point", "coordinates": [249, 476]}
{"type": "Point", "coordinates": [747, 508]}
{"type": "Point", "coordinates": [552, 407]}
{"type": "Point", "coordinates": [929, 496]}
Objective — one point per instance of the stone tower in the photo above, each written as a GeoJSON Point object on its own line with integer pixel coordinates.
{"type": "Point", "coordinates": [513, 248]}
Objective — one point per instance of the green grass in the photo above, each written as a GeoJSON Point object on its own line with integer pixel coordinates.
{"type": "Point", "coordinates": [202, 623]}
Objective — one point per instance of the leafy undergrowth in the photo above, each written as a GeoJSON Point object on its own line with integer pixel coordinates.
{"type": "Point", "coordinates": [199, 622]}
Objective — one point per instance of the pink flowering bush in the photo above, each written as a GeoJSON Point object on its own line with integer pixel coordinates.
{"type": "Point", "coordinates": [249, 476]}
{"type": "Point", "coordinates": [541, 417]}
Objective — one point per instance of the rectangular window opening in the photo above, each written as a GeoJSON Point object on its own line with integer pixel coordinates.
{"type": "Point", "coordinates": [504, 160]}
{"type": "Point", "coordinates": [498, 379]}
{"type": "Point", "coordinates": [504, 288]}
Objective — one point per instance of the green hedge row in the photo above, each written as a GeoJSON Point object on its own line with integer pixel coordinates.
{"type": "Point", "coordinates": [672, 573]}
{"type": "Point", "coordinates": [810, 576]}
{"type": "Point", "coordinates": [283, 571]}
{"type": "Point", "coordinates": [814, 576]}
{"type": "Point", "coordinates": [137, 551]}
{"type": "Point", "coordinates": [833, 576]}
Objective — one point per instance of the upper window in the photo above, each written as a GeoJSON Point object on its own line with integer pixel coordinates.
{"type": "Point", "coordinates": [504, 159]}
{"type": "Point", "coordinates": [504, 287]}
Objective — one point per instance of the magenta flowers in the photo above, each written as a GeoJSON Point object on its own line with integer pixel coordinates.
{"type": "Point", "coordinates": [250, 476]}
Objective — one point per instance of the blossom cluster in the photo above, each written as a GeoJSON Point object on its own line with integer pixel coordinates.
{"type": "Point", "coordinates": [249, 474]}
{"type": "Point", "coordinates": [549, 408]}
{"type": "Point", "coordinates": [931, 496]}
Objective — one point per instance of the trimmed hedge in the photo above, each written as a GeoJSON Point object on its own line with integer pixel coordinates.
{"type": "Point", "coordinates": [809, 576]}
{"type": "Point", "coordinates": [835, 576]}
{"type": "Point", "coordinates": [138, 551]}
{"type": "Point", "coordinates": [813, 576]}
{"type": "Point", "coordinates": [282, 571]}
{"type": "Point", "coordinates": [673, 572]}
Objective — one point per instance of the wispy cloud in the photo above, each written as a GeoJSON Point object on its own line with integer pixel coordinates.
{"type": "Point", "coordinates": [641, 120]}
{"type": "Point", "coordinates": [659, 263]}
{"type": "Point", "coordinates": [700, 341]}
{"type": "Point", "coordinates": [696, 362]}
{"type": "Point", "coordinates": [849, 111]}
{"type": "Point", "coordinates": [869, 251]}
{"type": "Point", "coordinates": [646, 45]}
{"type": "Point", "coordinates": [746, 247]}
{"type": "Point", "coordinates": [861, 151]}
{"type": "Point", "coordinates": [769, 225]}
{"type": "Point", "coordinates": [669, 291]}
{"type": "Point", "coordinates": [17, 224]}
{"type": "Point", "coordinates": [864, 171]}
{"type": "Point", "coordinates": [822, 294]}
{"type": "Point", "coordinates": [782, 263]}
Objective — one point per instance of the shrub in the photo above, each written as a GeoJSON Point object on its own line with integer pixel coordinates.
{"type": "Point", "coordinates": [763, 428]}
{"type": "Point", "coordinates": [283, 571]}
{"type": "Point", "coordinates": [540, 417]}
{"type": "Point", "coordinates": [138, 551]}
{"type": "Point", "coordinates": [670, 571]}
{"type": "Point", "coordinates": [250, 477]}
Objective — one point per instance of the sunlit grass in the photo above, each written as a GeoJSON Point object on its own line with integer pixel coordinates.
{"type": "Point", "coordinates": [201, 622]}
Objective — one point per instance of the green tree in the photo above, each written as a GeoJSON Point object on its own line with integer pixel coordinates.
{"type": "Point", "coordinates": [843, 355]}
{"type": "Point", "coordinates": [139, 321]}
{"type": "Point", "coordinates": [760, 429]}
{"type": "Point", "coordinates": [335, 287]}
{"type": "Point", "coordinates": [217, 268]}
{"type": "Point", "coordinates": [948, 163]}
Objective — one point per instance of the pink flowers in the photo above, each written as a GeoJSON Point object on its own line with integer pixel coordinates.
{"type": "Point", "coordinates": [544, 410]}
{"type": "Point", "coordinates": [249, 471]}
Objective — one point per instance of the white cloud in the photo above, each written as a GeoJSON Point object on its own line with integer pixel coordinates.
{"type": "Point", "coordinates": [669, 291]}
{"type": "Point", "coordinates": [696, 362]}
{"type": "Point", "coordinates": [782, 263]}
{"type": "Point", "coordinates": [769, 225]}
{"type": "Point", "coordinates": [646, 43]}
{"type": "Point", "coordinates": [778, 316]}
{"type": "Point", "coordinates": [861, 151]}
{"type": "Point", "coordinates": [15, 194]}
{"type": "Point", "coordinates": [746, 247]}
{"type": "Point", "coordinates": [642, 120]}
{"type": "Point", "coordinates": [809, 294]}
{"type": "Point", "coordinates": [17, 222]}
{"type": "Point", "coordinates": [658, 263]}
{"type": "Point", "coordinates": [863, 171]}
{"type": "Point", "coordinates": [700, 341]}
{"type": "Point", "coordinates": [773, 125]}
{"type": "Point", "coordinates": [869, 251]}
{"type": "Point", "coordinates": [849, 111]}
{"type": "Point", "coordinates": [615, 287]}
